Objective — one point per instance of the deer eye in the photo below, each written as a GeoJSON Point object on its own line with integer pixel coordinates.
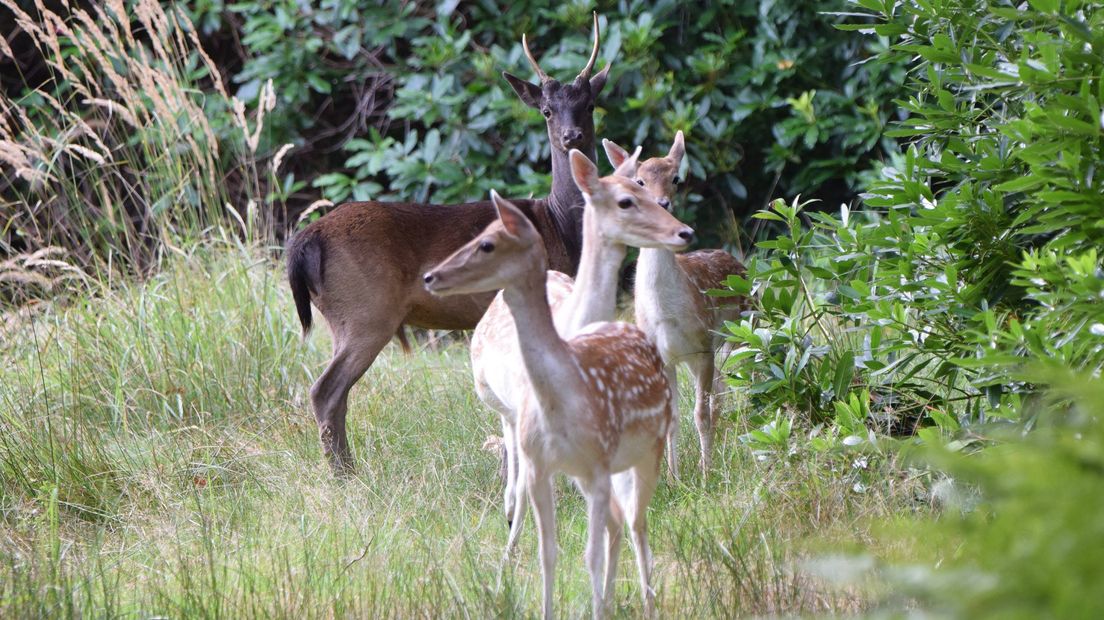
{"type": "Point", "coordinates": [590, 108]}
{"type": "Point", "coordinates": [486, 246]}
{"type": "Point", "coordinates": [547, 113]}
{"type": "Point", "coordinates": [676, 180]}
{"type": "Point", "coordinates": [640, 182]}
{"type": "Point", "coordinates": [625, 203]}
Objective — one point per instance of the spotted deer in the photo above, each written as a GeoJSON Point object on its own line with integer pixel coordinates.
{"type": "Point", "coordinates": [596, 406]}
{"type": "Point", "coordinates": [672, 306]}
{"type": "Point", "coordinates": [618, 213]}
{"type": "Point", "coordinates": [361, 264]}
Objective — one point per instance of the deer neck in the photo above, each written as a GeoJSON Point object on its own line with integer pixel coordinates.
{"type": "Point", "coordinates": [548, 360]}
{"type": "Point", "coordinates": [594, 295]}
{"type": "Point", "coordinates": [657, 273]}
{"type": "Point", "coordinates": [565, 203]}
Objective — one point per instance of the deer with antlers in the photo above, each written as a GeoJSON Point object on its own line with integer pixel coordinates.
{"type": "Point", "coordinates": [672, 306]}
{"type": "Point", "coordinates": [596, 407]}
{"type": "Point", "coordinates": [361, 264]}
{"type": "Point", "coordinates": [618, 214]}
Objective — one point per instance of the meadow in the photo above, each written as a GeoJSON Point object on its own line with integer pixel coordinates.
{"type": "Point", "coordinates": [913, 420]}
{"type": "Point", "coordinates": [160, 458]}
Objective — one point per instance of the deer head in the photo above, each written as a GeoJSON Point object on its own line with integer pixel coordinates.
{"type": "Point", "coordinates": [658, 175]}
{"type": "Point", "coordinates": [506, 251]}
{"type": "Point", "coordinates": [625, 212]}
{"type": "Point", "coordinates": [568, 108]}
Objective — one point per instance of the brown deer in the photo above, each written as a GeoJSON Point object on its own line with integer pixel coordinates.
{"type": "Point", "coordinates": [361, 264]}
{"type": "Point", "coordinates": [672, 306]}
{"type": "Point", "coordinates": [618, 213]}
{"type": "Point", "coordinates": [596, 407]}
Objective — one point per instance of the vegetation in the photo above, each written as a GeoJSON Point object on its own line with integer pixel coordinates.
{"type": "Point", "coordinates": [414, 107]}
{"type": "Point", "coordinates": [977, 248]}
{"type": "Point", "coordinates": [914, 423]}
{"type": "Point", "coordinates": [159, 457]}
{"type": "Point", "coordinates": [119, 155]}
{"type": "Point", "coordinates": [974, 259]}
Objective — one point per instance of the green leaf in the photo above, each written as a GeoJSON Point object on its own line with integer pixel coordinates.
{"type": "Point", "coordinates": [845, 370]}
{"type": "Point", "coordinates": [1020, 184]}
{"type": "Point", "coordinates": [767, 215]}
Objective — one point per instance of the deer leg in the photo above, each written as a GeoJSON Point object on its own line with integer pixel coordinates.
{"type": "Point", "coordinates": [597, 492]}
{"type": "Point", "coordinates": [720, 388]}
{"type": "Point", "coordinates": [330, 393]}
{"type": "Point", "coordinates": [517, 500]}
{"type": "Point", "coordinates": [701, 366]}
{"type": "Point", "coordinates": [644, 478]}
{"type": "Point", "coordinates": [544, 507]}
{"type": "Point", "coordinates": [510, 461]}
{"type": "Point", "coordinates": [672, 432]}
{"type": "Point", "coordinates": [621, 485]}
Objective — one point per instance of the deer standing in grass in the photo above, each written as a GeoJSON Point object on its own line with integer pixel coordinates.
{"type": "Point", "coordinates": [361, 264]}
{"type": "Point", "coordinates": [672, 306]}
{"type": "Point", "coordinates": [596, 407]}
{"type": "Point", "coordinates": [618, 213]}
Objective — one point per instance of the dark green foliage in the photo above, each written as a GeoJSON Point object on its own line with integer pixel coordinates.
{"type": "Point", "coordinates": [774, 100]}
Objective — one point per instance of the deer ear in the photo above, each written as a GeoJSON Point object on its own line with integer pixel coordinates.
{"type": "Point", "coordinates": [529, 93]}
{"type": "Point", "coordinates": [627, 168]}
{"type": "Point", "coordinates": [513, 220]}
{"type": "Point", "coordinates": [678, 149]}
{"type": "Point", "coordinates": [584, 172]}
{"type": "Point", "coordinates": [598, 82]}
{"type": "Point", "coordinates": [614, 152]}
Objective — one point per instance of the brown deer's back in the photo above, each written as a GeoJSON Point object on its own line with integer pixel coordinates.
{"type": "Point", "coordinates": [374, 253]}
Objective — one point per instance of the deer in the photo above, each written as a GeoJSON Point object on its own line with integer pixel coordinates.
{"type": "Point", "coordinates": [618, 213]}
{"type": "Point", "coordinates": [671, 304]}
{"type": "Point", "coordinates": [360, 265]}
{"type": "Point", "coordinates": [596, 406]}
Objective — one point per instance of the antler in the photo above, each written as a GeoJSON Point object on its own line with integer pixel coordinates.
{"type": "Point", "coordinates": [585, 73]}
{"type": "Point", "coordinates": [533, 61]}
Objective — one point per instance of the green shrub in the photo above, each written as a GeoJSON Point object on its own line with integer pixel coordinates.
{"type": "Point", "coordinates": [998, 193]}
{"type": "Point", "coordinates": [978, 248]}
{"type": "Point", "coordinates": [772, 97]}
{"type": "Point", "coordinates": [825, 346]}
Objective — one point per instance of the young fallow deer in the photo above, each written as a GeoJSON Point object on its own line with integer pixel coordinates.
{"type": "Point", "coordinates": [672, 306]}
{"type": "Point", "coordinates": [618, 213]}
{"type": "Point", "coordinates": [596, 407]}
{"type": "Point", "coordinates": [361, 264]}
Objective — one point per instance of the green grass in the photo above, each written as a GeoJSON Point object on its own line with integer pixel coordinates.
{"type": "Point", "coordinates": [159, 458]}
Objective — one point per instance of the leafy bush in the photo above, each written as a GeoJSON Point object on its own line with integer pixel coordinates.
{"type": "Point", "coordinates": [773, 98]}
{"type": "Point", "coordinates": [978, 248]}
{"type": "Point", "coordinates": [825, 346]}
{"type": "Point", "coordinates": [999, 192]}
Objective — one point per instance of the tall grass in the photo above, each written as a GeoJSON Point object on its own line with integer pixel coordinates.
{"type": "Point", "coordinates": [158, 457]}
{"type": "Point", "coordinates": [131, 146]}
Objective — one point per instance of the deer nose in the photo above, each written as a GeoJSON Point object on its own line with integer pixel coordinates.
{"type": "Point", "coordinates": [665, 203]}
{"type": "Point", "coordinates": [686, 234]}
{"type": "Point", "coordinates": [572, 135]}
{"type": "Point", "coordinates": [428, 277]}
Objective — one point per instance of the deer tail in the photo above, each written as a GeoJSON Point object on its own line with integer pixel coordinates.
{"type": "Point", "coordinates": [304, 269]}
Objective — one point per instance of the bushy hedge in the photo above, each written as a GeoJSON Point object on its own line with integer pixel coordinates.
{"type": "Point", "coordinates": [979, 249]}
{"type": "Point", "coordinates": [409, 103]}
